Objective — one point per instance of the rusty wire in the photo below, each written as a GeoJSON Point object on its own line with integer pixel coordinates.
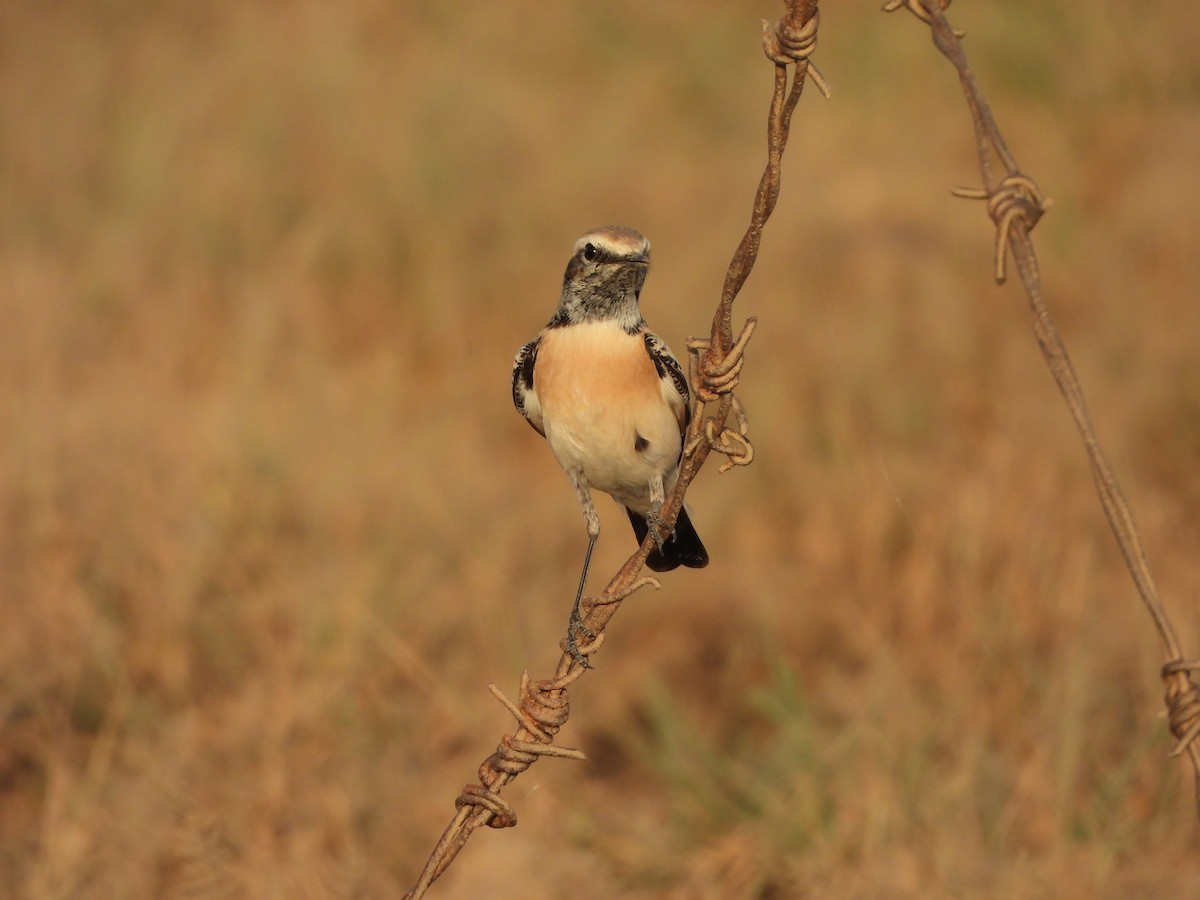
{"type": "Point", "coordinates": [1014, 203]}
{"type": "Point", "coordinates": [715, 365]}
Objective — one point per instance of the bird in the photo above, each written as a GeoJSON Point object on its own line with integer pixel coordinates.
{"type": "Point", "coordinates": [611, 400]}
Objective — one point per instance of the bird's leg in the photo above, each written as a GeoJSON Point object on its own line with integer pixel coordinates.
{"type": "Point", "coordinates": [575, 623]}
{"type": "Point", "coordinates": [657, 495]}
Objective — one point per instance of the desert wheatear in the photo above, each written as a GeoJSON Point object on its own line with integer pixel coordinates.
{"type": "Point", "coordinates": [610, 398]}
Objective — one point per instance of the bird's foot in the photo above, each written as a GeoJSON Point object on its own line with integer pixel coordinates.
{"type": "Point", "coordinates": [654, 520]}
{"type": "Point", "coordinates": [572, 646]}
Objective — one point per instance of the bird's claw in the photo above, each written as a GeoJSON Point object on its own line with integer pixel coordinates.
{"type": "Point", "coordinates": [657, 532]}
{"type": "Point", "coordinates": [575, 628]}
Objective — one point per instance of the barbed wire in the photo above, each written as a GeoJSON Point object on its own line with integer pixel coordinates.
{"type": "Point", "coordinates": [715, 367]}
{"type": "Point", "coordinates": [1015, 204]}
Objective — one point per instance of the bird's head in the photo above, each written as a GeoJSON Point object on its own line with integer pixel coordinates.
{"type": "Point", "coordinates": [604, 277]}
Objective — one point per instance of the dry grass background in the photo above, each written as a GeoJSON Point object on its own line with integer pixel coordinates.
{"type": "Point", "coordinates": [270, 523]}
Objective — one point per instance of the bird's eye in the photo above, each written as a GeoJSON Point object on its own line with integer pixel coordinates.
{"type": "Point", "coordinates": [590, 252]}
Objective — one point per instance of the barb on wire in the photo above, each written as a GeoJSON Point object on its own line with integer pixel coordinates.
{"type": "Point", "coordinates": [715, 366]}
{"type": "Point", "coordinates": [1016, 198]}
{"type": "Point", "coordinates": [1015, 204]}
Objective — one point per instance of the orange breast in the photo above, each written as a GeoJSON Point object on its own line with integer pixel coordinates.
{"type": "Point", "coordinates": [595, 364]}
{"type": "Point", "coordinates": [600, 393]}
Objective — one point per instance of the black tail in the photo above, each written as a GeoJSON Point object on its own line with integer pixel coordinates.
{"type": "Point", "coordinates": [683, 547]}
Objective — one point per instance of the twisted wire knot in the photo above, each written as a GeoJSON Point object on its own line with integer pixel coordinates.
{"type": "Point", "coordinates": [1016, 198]}
{"type": "Point", "coordinates": [1183, 702]}
{"type": "Point", "coordinates": [502, 813]}
{"type": "Point", "coordinates": [543, 710]}
{"type": "Point", "coordinates": [544, 707]}
{"type": "Point", "coordinates": [711, 377]}
{"type": "Point", "coordinates": [733, 444]}
{"type": "Point", "coordinates": [785, 42]}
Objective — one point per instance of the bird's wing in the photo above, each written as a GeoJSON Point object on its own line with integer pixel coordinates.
{"type": "Point", "coordinates": [671, 378]}
{"type": "Point", "coordinates": [525, 398]}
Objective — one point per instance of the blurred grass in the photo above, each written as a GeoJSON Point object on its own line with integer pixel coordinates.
{"type": "Point", "coordinates": [270, 524]}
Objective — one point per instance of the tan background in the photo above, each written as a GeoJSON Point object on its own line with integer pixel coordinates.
{"type": "Point", "coordinates": [270, 523]}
